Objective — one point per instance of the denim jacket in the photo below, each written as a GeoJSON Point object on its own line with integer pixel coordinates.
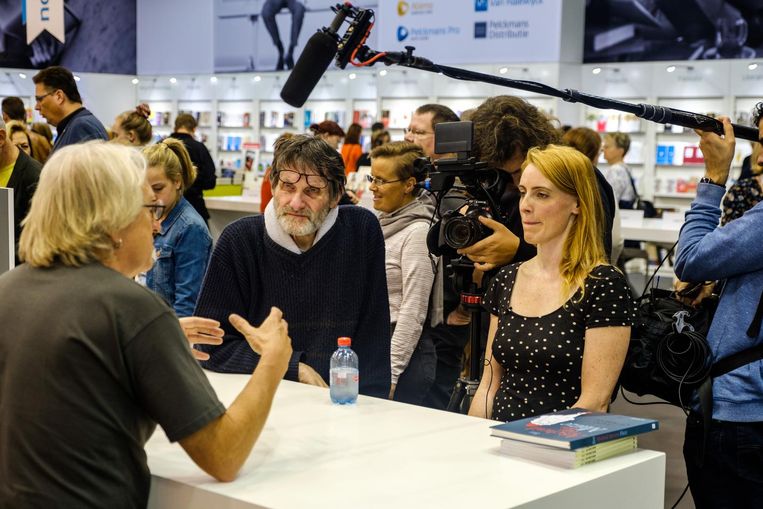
{"type": "Point", "coordinates": [183, 248]}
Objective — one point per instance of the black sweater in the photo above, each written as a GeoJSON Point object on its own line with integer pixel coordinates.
{"type": "Point", "coordinates": [336, 288]}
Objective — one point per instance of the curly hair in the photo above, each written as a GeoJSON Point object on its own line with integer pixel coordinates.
{"type": "Point", "coordinates": [757, 114]}
{"type": "Point", "coordinates": [506, 124]}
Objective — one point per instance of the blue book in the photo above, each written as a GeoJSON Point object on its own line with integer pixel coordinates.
{"type": "Point", "coordinates": [573, 428]}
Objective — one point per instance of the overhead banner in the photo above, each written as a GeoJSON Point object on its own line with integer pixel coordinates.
{"type": "Point", "coordinates": [81, 35]}
{"type": "Point", "coordinates": [634, 31]}
{"type": "Point", "coordinates": [472, 31]}
{"type": "Point", "coordinates": [45, 15]}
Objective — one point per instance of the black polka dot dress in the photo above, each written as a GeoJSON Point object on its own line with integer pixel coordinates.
{"type": "Point", "coordinates": [542, 356]}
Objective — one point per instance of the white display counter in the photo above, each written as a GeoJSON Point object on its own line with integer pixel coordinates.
{"type": "Point", "coordinates": [380, 453]}
{"type": "Point", "coordinates": [223, 210]}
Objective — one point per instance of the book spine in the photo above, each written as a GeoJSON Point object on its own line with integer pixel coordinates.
{"type": "Point", "coordinates": [607, 437]}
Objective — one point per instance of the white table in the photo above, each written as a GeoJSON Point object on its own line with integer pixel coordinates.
{"type": "Point", "coordinates": [223, 210]}
{"type": "Point", "coordinates": [661, 231]}
{"type": "Point", "coordinates": [380, 453]}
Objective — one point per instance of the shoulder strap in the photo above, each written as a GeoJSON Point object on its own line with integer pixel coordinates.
{"type": "Point", "coordinates": [633, 184]}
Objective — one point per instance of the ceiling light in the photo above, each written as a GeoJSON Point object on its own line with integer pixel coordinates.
{"type": "Point", "coordinates": [22, 75]}
{"type": "Point", "coordinates": [213, 79]}
{"type": "Point", "coordinates": [173, 80]}
{"type": "Point", "coordinates": [596, 70]}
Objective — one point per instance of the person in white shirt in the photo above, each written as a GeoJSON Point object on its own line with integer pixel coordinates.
{"type": "Point", "coordinates": [405, 222]}
{"type": "Point", "coordinates": [618, 175]}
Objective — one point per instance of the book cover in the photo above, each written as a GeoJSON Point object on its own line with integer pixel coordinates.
{"type": "Point", "coordinates": [288, 119]}
{"type": "Point", "coordinates": [566, 458]}
{"type": "Point", "coordinates": [573, 428]}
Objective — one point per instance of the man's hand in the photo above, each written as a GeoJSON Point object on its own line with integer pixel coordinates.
{"type": "Point", "coordinates": [308, 375]}
{"type": "Point", "coordinates": [201, 331]}
{"type": "Point", "coordinates": [718, 151]}
{"type": "Point", "coordinates": [392, 391]}
{"type": "Point", "coordinates": [694, 296]}
{"type": "Point", "coordinates": [271, 339]}
{"type": "Point", "coordinates": [459, 316]}
{"type": "Point", "coordinates": [495, 250]}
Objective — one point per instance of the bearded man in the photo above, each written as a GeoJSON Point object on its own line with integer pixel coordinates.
{"type": "Point", "coordinates": [321, 264]}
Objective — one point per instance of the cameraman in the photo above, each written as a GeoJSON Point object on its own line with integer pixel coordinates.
{"type": "Point", "coordinates": [449, 336]}
{"type": "Point", "coordinates": [729, 473]}
{"type": "Point", "coordinates": [505, 128]}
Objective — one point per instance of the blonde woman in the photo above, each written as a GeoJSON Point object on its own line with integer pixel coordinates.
{"type": "Point", "coordinates": [132, 127]}
{"type": "Point", "coordinates": [560, 322]}
{"type": "Point", "coordinates": [183, 243]}
{"type": "Point", "coordinates": [92, 362]}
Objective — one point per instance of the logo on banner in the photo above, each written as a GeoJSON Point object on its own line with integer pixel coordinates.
{"type": "Point", "coordinates": [480, 30]}
{"type": "Point", "coordinates": [402, 33]}
{"type": "Point", "coordinates": [45, 16]}
{"type": "Point", "coordinates": [402, 8]}
{"type": "Point", "coordinates": [480, 5]}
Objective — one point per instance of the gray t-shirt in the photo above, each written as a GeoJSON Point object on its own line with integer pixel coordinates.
{"type": "Point", "coordinates": [90, 362]}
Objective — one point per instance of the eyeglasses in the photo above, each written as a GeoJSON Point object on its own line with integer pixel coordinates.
{"type": "Point", "coordinates": [292, 177]}
{"type": "Point", "coordinates": [378, 182]}
{"type": "Point", "coordinates": [157, 210]}
{"type": "Point", "coordinates": [39, 98]}
{"type": "Point", "coordinates": [416, 133]}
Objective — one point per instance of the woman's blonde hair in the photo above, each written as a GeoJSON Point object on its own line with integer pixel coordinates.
{"type": "Point", "coordinates": [86, 194]}
{"type": "Point", "coordinates": [171, 155]}
{"type": "Point", "coordinates": [404, 154]}
{"type": "Point", "coordinates": [572, 173]}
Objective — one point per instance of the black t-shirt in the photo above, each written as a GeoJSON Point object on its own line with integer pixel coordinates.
{"type": "Point", "coordinates": [542, 356]}
{"type": "Point", "coordinates": [89, 363]}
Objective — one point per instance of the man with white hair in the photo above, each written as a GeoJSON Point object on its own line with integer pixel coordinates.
{"type": "Point", "coordinates": [19, 172]}
{"type": "Point", "coordinates": [323, 265]}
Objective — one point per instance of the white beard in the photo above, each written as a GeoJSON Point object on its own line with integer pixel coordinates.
{"type": "Point", "coordinates": [299, 227]}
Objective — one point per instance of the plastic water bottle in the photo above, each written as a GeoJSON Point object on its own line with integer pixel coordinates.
{"type": "Point", "coordinates": [344, 374]}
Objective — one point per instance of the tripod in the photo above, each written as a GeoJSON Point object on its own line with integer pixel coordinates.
{"type": "Point", "coordinates": [466, 387]}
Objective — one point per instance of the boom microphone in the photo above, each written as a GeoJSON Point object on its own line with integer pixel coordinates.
{"type": "Point", "coordinates": [312, 63]}
{"type": "Point", "coordinates": [315, 59]}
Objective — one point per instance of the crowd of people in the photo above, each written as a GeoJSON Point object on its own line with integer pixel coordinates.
{"type": "Point", "coordinates": [112, 242]}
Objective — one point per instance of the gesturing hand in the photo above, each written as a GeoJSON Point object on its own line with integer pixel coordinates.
{"type": "Point", "coordinates": [308, 375]}
{"type": "Point", "coordinates": [201, 331]}
{"type": "Point", "coordinates": [271, 339]}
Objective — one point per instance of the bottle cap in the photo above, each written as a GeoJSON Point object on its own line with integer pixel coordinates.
{"type": "Point", "coordinates": [344, 341]}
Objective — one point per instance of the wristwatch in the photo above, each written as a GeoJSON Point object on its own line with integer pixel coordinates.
{"type": "Point", "coordinates": [708, 180]}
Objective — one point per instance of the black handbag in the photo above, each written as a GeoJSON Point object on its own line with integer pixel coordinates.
{"type": "Point", "coordinates": [668, 355]}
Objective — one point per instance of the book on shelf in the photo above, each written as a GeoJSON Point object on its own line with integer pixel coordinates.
{"type": "Point", "coordinates": [573, 428]}
{"type": "Point", "coordinates": [566, 458]}
{"type": "Point", "coordinates": [288, 119]}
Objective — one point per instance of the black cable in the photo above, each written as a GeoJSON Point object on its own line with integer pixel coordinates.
{"type": "Point", "coordinates": [682, 496]}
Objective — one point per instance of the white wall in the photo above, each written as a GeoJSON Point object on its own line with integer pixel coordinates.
{"type": "Point", "coordinates": [175, 36]}
{"type": "Point", "coordinates": [106, 95]}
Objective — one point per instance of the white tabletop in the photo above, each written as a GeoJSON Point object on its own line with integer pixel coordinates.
{"type": "Point", "coordinates": [650, 230]}
{"type": "Point", "coordinates": [380, 453]}
{"type": "Point", "coordinates": [233, 203]}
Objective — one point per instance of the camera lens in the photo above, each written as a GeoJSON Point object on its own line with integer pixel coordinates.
{"type": "Point", "coordinates": [460, 232]}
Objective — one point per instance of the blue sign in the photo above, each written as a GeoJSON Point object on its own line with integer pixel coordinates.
{"type": "Point", "coordinates": [402, 33]}
{"type": "Point", "coordinates": [480, 5]}
{"type": "Point", "coordinates": [480, 29]}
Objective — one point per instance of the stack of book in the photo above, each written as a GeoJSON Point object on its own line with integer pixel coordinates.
{"type": "Point", "coordinates": [571, 438]}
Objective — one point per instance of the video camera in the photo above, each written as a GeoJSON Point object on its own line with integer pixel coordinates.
{"type": "Point", "coordinates": [476, 188]}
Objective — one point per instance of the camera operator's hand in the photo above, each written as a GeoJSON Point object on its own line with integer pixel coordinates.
{"type": "Point", "coordinates": [495, 250]}
{"type": "Point", "coordinates": [459, 316]}
{"type": "Point", "coordinates": [718, 151]}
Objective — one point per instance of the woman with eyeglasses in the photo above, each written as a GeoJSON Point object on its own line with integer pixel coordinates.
{"type": "Point", "coordinates": [183, 243]}
{"type": "Point", "coordinates": [405, 223]}
{"type": "Point", "coordinates": [20, 137]}
{"type": "Point", "coordinates": [92, 362]}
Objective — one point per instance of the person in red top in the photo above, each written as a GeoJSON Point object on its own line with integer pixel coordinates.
{"type": "Point", "coordinates": [266, 191]}
{"type": "Point", "coordinates": [351, 150]}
